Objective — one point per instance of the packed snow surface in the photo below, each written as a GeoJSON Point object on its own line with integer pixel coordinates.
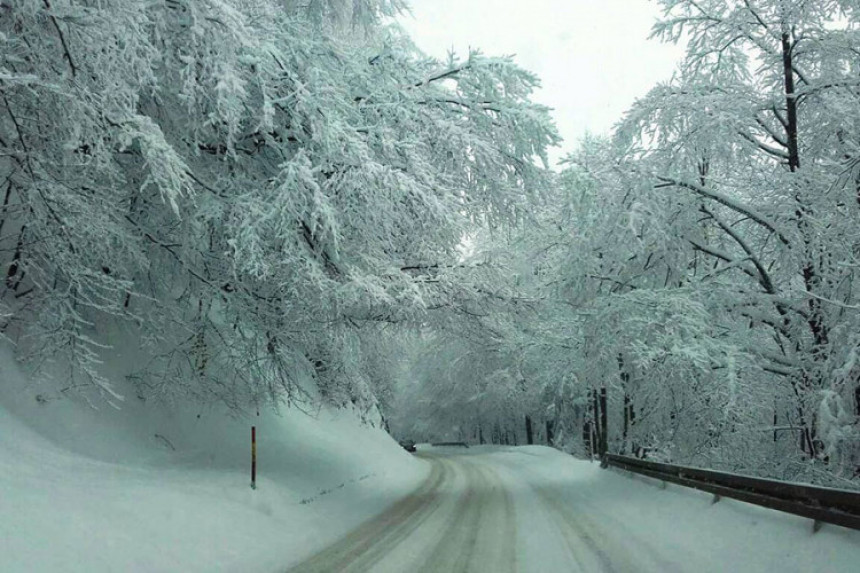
{"type": "Point", "coordinates": [151, 488]}
{"type": "Point", "coordinates": [535, 509]}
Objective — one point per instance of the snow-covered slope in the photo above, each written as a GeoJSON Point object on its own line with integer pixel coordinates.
{"type": "Point", "coordinates": [147, 488]}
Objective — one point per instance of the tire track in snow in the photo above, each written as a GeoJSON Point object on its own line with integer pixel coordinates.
{"type": "Point", "coordinates": [498, 533]}
{"type": "Point", "coordinates": [636, 554]}
{"type": "Point", "coordinates": [461, 519]}
{"type": "Point", "coordinates": [594, 540]}
{"type": "Point", "coordinates": [585, 551]}
{"type": "Point", "coordinates": [369, 543]}
{"type": "Point", "coordinates": [482, 534]}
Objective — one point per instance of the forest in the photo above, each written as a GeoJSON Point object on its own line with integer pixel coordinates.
{"type": "Point", "coordinates": [284, 202]}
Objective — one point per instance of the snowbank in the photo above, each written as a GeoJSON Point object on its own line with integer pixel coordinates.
{"type": "Point", "coordinates": [154, 489]}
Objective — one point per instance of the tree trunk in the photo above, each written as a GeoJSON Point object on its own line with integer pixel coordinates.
{"type": "Point", "coordinates": [595, 423]}
{"type": "Point", "coordinates": [588, 437]}
{"type": "Point", "coordinates": [600, 445]}
{"type": "Point", "coordinates": [604, 433]}
{"type": "Point", "coordinates": [13, 278]}
{"type": "Point", "coordinates": [529, 435]}
{"type": "Point", "coordinates": [550, 436]}
{"type": "Point", "coordinates": [629, 420]}
{"type": "Point", "coordinates": [5, 205]}
{"type": "Point", "coordinates": [857, 400]}
{"type": "Point", "coordinates": [790, 103]}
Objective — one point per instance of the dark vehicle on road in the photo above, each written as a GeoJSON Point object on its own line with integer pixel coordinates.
{"type": "Point", "coordinates": [408, 445]}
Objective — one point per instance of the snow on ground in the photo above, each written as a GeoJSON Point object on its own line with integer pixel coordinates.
{"type": "Point", "coordinates": [151, 488]}
{"type": "Point", "coordinates": [533, 509]}
{"type": "Point", "coordinates": [637, 521]}
{"type": "Point", "coordinates": [148, 488]}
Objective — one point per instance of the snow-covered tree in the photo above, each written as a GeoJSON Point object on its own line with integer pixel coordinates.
{"type": "Point", "coordinates": [693, 279]}
{"type": "Point", "coordinates": [245, 186]}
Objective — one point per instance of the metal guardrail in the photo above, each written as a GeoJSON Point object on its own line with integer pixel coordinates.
{"type": "Point", "coordinates": [824, 505]}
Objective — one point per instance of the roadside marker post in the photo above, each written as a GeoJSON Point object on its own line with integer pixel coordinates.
{"type": "Point", "coordinates": [253, 457]}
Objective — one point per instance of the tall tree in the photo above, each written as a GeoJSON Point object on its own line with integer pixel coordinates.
{"type": "Point", "coordinates": [245, 185]}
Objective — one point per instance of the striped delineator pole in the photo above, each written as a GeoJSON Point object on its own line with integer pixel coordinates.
{"type": "Point", "coordinates": [253, 457]}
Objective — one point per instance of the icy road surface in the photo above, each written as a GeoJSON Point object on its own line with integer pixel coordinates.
{"type": "Point", "coordinates": [533, 509]}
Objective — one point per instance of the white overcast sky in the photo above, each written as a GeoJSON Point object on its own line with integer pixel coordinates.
{"type": "Point", "coordinates": [594, 57]}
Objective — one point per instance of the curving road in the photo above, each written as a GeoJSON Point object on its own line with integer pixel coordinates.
{"type": "Point", "coordinates": [487, 511]}
{"type": "Point", "coordinates": [499, 510]}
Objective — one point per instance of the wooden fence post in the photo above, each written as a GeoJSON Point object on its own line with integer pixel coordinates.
{"type": "Point", "coordinates": [253, 457]}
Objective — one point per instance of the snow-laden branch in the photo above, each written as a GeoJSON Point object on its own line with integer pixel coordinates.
{"type": "Point", "coordinates": [728, 202]}
{"type": "Point", "coordinates": [723, 256]}
{"type": "Point", "coordinates": [764, 277]}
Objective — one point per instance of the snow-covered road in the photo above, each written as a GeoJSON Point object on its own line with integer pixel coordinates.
{"type": "Point", "coordinates": [460, 519]}
{"type": "Point", "coordinates": [533, 509]}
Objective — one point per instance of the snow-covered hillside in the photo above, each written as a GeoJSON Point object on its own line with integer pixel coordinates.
{"type": "Point", "coordinates": [147, 488]}
{"type": "Point", "coordinates": [151, 488]}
